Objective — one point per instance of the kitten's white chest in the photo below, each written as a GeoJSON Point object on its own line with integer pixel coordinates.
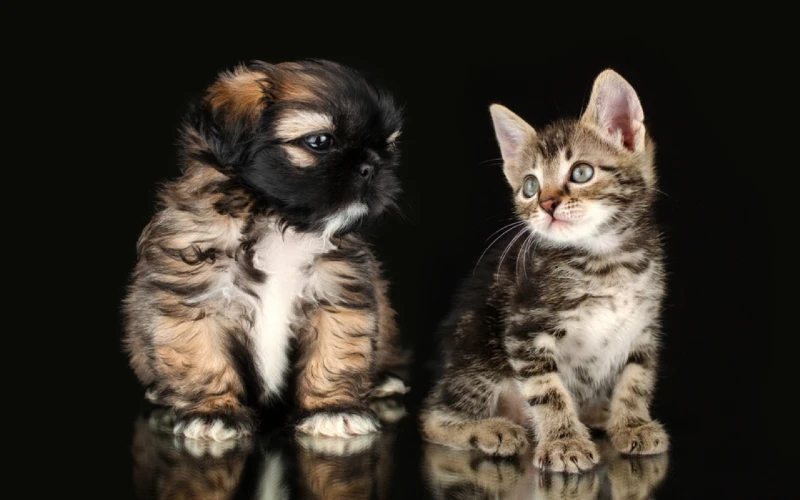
{"type": "Point", "coordinates": [600, 332]}
{"type": "Point", "coordinates": [287, 259]}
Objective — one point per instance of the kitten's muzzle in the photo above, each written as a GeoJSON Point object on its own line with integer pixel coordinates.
{"type": "Point", "coordinates": [550, 204]}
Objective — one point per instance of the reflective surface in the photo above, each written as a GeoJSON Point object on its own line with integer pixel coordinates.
{"type": "Point", "coordinates": [281, 465]}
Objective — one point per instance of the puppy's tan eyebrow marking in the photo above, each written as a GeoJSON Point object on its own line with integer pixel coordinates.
{"type": "Point", "coordinates": [299, 156]}
{"type": "Point", "coordinates": [296, 124]}
{"type": "Point", "coordinates": [393, 137]}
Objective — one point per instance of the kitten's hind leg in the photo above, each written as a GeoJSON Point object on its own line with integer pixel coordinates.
{"type": "Point", "coordinates": [493, 436]}
{"type": "Point", "coordinates": [595, 413]}
{"type": "Point", "coordinates": [630, 427]}
{"type": "Point", "coordinates": [466, 421]}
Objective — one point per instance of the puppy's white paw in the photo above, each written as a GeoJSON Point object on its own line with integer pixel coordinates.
{"type": "Point", "coordinates": [337, 447]}
{"type": "Point", "coordinates": [215, 430]}
{"type": "Point", "coordinates": [389, 387]}
{"type": "Point", "coordinates": [389, 410]}
{"type": "Point", "coordinates": [342, 425]}
{"type": "Point", "coordinates": [200, 448]}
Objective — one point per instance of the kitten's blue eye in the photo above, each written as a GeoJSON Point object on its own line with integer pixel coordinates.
{"type": "Point", "coordinates": [318, 142]}
{"type": "Point", "coordinates": [581, 172]}
{"type": "Point", "coordinates": [530, 186]}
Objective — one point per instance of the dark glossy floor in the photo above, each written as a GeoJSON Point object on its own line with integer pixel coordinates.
{"type": "Point", "coordinates": [396, 464]}
{"type": "Point", "coordinates": [712, 388]}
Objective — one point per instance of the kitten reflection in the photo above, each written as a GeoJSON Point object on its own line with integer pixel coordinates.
{"type": "Point", "coordinates": [462, 475]}
{"type": "Point", "coordinates": [165, 466]}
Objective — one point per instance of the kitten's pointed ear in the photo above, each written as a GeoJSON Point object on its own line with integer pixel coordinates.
{"type": "Point", "coordinates": [614, 108]}
{"type": "Point", "coordinates": [513, 135]}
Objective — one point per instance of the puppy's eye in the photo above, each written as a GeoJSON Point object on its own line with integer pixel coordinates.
{"type": "Point", "coordinates": [319, 142]}
{"type": "Point", "coordinates": [581, 173]}
{"type": "Point", "coordinates": [530, 186]}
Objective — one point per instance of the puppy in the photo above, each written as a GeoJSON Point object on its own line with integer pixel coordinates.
{"type": "Point", "coordinates": [255, 249]}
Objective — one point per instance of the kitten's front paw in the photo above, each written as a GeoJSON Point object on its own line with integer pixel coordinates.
{"type": "Point", "coordinates": [339, 424]}
{"type": "Point", "coordinates": [499, 437]}
{"type": "Point", "coordinates": [647, 439]}
{"type": "Point", "coordinates": [573, 486]}
{"type": "Point", "coordinates": [566, 455]}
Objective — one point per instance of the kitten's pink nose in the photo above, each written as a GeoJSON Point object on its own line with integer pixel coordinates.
{"type": "Point", "coordinates": [550, 204]}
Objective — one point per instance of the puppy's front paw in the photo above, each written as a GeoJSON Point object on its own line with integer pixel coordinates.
{"type": "Point", "coordinates": [566, 455]}
{"type": "Point", "coordinates": [647, 439]}
{"type": "Point", "coordinates": [389, 386]}
{"type": "Point", "coordinates": [210, 428]}
{"type": "Point", "coordinates": [335, 447]}
{"type": "Point", "coordinates": [339, 424]}
{"type": "Point", "coordinates": [389, 410]}
{"type": "Point", "coordinates": [234, 423]}
{"type": "Point", "coordinates": [499, 437]}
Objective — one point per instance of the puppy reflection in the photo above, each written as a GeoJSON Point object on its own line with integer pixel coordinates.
{"type": "Point", "coordinates": [167, 467]}
{"type": "Point", "coordinates": [462, 475]}
{"type": "Point", "coordinates": [355, 468]}
{"type": "Point", "coordinates": [170, 467]}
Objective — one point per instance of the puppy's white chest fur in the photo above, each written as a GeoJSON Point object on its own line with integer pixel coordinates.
{"type": "Point", "coordinates": [287, 259]}
{"type": "Point", "coordinates": [602, 330]}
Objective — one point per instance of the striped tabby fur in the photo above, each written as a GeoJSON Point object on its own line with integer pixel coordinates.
{"type": "Point", "coordinates": [559, 327]}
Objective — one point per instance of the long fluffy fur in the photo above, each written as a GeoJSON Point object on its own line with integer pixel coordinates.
{"type": "Point", "coordinates": [255, 247]}
{"type": "Point", "coordinates": [560, 322]}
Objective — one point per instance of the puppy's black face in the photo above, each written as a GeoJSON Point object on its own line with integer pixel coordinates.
{"type": "Point", "coordinates": [315, 140]}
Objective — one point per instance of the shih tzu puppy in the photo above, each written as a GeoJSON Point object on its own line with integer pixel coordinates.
{"type": "Point", "coordinates": [253, 270]}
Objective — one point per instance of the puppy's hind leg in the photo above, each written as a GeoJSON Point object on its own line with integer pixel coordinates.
{"type": "Point", "coordinates": [391, 359]}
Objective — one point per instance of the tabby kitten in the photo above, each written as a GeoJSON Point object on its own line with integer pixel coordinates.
{"type": "Point", "coordinates": [561, 329]}
{"type": "Point", "coordinates": [257, 248]}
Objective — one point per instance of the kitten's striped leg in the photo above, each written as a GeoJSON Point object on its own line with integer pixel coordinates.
{"type": "Point", "coordinates": [564, 443]}
{"type": "Point", "coordinates": [630, 426]}
{"type": "Point", "coordinates": [459, 414]}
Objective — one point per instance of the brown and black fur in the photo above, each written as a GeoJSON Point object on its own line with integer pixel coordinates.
{"type": "Point", "coordinates": [559, 327]}
{"type": "Point", "coordinates": [249, 176]}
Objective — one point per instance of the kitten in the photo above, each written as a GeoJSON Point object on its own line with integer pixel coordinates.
{"type": "Point", "coordinates": [562, 326]}
{"type": "Point", "coordinates": [256, 246]}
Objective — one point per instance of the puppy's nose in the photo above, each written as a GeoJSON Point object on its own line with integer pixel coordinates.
{"type": "Point", "coordinates": [366, 171]}
{"type": "Point", "coordinates": [550, 204]}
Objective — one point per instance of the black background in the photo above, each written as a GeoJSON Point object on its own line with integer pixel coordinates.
{"type": "Point", "coordinates": [455, 197]}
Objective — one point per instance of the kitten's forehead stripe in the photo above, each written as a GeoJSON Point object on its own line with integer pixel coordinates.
{"type": "Point", "coordinates": [555, 139]}
{"type": "Point", "coordinates": [297, 123]}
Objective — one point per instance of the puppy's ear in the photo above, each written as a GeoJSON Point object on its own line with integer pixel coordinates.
{"type": "Point", "coordinates": [220, 129]}
{"type": "Point", "coordinates": [238, 97]}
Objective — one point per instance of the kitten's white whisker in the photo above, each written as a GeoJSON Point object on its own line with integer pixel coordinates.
{"type": "Point", "coordinates": [517, 223]}
{"type": "Point", "coordinates": [505, 252]}
{"type": "Point", "coordinates": [521, 252]}
{"type": "Point", "coordinates": [491, 160]}
{"type": "Point", "coordinates": [527, 245]}
{"type": "Point", "coordinates": [513, 226]}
